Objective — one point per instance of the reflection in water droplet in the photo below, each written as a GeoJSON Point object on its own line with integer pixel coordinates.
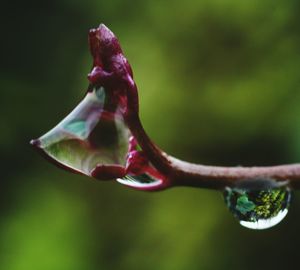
{"type": "Point", "coordinates": [94, 133]}
{"type": "Point", "coordinates": [258, 209]}
{"type": "Point", "coordinates": [139, 181]}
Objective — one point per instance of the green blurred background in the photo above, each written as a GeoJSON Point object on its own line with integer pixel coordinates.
{"type": "Point", "coordinates": [219, 84]}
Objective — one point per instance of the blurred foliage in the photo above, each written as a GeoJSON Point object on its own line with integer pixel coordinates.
{"type": "Point", "coordinates": [218, 83]}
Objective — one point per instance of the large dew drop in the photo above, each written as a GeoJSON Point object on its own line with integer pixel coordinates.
{"type": "Point", "coordinates": [258, 209]}
{"type": "Point", "coordinates": [94, 134]}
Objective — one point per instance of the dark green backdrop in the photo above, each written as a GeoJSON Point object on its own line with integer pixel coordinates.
{"type": "Point", "coordinates": [218, 82]}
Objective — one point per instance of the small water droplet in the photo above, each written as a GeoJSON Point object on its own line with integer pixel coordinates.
{"type": "Point", "coordinates": [258, 208]}
{"type": "Point", "coordinates": [142, 181]}
{"type": "Point", "coordinates": [141, 174]}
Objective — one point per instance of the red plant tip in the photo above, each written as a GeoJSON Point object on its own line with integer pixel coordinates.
{"type": "Point", "coordinates": [108, 41]}
{"type": "Point", "coordinates": [108, 172]}
{"type": "Point", "coordinates": [94, 43]}
{"type": "Point", "coordinates": [103, 44]}
{"type": "Point", "coordinates": [106, 36]}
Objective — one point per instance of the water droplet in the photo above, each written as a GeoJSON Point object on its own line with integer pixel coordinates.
{"type": "Point", "coordinates": [149, 179]}
{"type": "Point", "coordinates": [92, 135]}
{"type": "Point", "coordinates": [143, 181]}
{"type": "Point", "coordinates": [258, 208]}
{"type": "Point", "coordinates": [141, 174]}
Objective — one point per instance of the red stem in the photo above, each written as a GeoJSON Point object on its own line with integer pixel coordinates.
{"type": "Point", "coordinates": [183, 173]}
